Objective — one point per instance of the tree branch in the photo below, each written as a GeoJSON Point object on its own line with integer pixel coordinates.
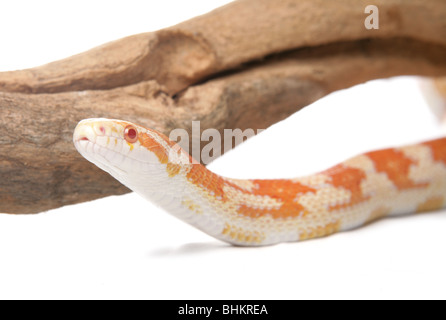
{"type": "Point", "coordinates": [214, 68]}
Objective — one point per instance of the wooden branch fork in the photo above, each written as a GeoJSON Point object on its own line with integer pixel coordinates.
{"type": "Point", "coordinates": [248, 64]}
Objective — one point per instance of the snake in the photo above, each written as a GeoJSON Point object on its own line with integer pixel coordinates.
{"type": "Point", "coordinates": [250, 212]}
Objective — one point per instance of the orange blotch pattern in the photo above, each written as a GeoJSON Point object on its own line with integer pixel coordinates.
{"type": "Point", "coordinates": [438, 148]}
{"type": "Point", "coordinates": [349, 179]}
{"type": "Point", "coordinates": [284, 191]}
{"type": "Point", "coordinates": [205, 179]}
{"type": "Point", "coordinates": [151, 144]}
{"type": "Point", "coordinates": [396, 166]}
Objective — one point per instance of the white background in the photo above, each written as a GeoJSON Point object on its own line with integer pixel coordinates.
{"type": "Point", "coordinates": [123, 247]}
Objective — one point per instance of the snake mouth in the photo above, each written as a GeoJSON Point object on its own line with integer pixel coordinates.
{"type": "Point", "coordinates": [107, 157]}
{"type": "Point", "coordinates": [101, 156]}
{"type": "Point", "coordinates": [107, 146]}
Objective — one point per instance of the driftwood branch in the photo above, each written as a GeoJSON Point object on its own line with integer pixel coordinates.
{"type": "Point", "coordinates": [246, 65]}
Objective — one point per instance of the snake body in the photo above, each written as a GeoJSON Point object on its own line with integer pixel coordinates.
{"type": "Point", "coordinates": [353, 193]}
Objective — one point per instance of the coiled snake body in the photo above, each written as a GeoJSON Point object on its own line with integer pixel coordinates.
{"type": "Point", "coordinates": [262, 212]}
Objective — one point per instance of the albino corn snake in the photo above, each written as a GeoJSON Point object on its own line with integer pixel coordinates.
{"type": "Point", "coordinates": [262, 212]}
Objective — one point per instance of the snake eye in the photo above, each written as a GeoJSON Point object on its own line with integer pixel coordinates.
{"type": "Point", "coordinates": [130, 134]}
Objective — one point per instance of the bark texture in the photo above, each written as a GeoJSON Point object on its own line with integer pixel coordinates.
{"type": "Point", "coordinates": [246, 65]}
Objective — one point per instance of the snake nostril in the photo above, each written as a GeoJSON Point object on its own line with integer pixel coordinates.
{"type": "Point", "coordinates": [84, 139]}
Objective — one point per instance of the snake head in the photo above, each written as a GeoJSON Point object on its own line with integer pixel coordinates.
{"type": "Point", "coordinates": [125, 150]}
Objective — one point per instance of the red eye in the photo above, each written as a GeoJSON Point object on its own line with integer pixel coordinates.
{"type": "Point", "coordinates": [131, 134]}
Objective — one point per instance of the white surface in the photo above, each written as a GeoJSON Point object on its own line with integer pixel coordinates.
{"type": "Point", "coordinates": [123, 247]}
